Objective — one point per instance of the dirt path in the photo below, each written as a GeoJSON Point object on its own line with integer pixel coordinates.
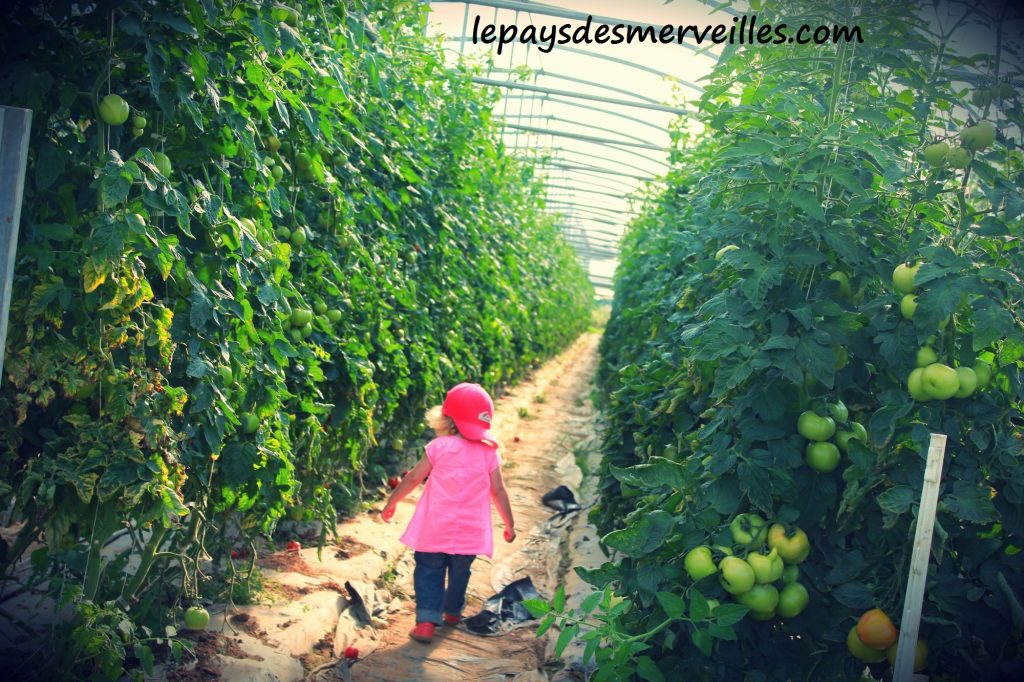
{"type": "Point", "coordinates": [540, 449]}
{"type": "Point", "coordinates": [548, 426]}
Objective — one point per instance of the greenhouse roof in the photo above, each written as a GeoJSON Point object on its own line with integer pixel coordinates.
{"type": "Point", "coordinates": [595, 117]}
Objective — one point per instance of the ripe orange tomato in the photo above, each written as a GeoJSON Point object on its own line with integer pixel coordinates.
{"type": "Point", "coordinates": [876, 631]}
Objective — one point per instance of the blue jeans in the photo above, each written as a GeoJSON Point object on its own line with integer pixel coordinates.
{"type": "Point", "coordinates": [428, 580]}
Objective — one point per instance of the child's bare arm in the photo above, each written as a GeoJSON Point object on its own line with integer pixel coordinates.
{"type": "Point", "coordinates": [500, 497]}
{"type": "Point", "coordinates": [406, 486]}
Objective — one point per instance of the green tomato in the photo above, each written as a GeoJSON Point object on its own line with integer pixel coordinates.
{"type": "Point", "coordinates": [790, 574]}
{"type": "Point", "coordinates": [908, 306]}
{"type": "Point", "coordinates": [306, 330]}
{"type": "Point", "coordinates": [983, 373]}
{"type": "Point", "coordinates": [814, 427]}
{"type": "Point", "coordinates": [320, 307]}
{"type": "Point", "coordinates": [935, 154]}
{"type": "Point", "coordinates": [301, 316]}
{"type": "Point", "coordinates": [398, 444]}
{"type": "Point", "coordinates": [139, 122]}
{"type": "Point", "coordinates": [925, 356]}
{"type": "Point", "coordinates": [273, 143]}
{"type": "Point", "coordinates": [903, 277]}
{"type": "Point", "coordinates": [334, 315]}
{"type": "Point", "coordinates": [862, 651]}
{"type": "Point", "coordinates": [940, 381]}
{"type": "Point", "coordinates": [921, 652]}
{"type": "Point", "coordinates": [839, 412]}
{"type": "Point", "coordinates": [114, 110]}
{"type": "Point", "coordinates": [250, 423]}
{"type": "Point", "coordinates": [843, 438]}
{"type": "Point", "coordinates": [793, 600]}
{"type": "Point", "coordinates": [749, 530]}
{"type": "Point", "coordinates": [699, 564]}
{"type": "Point", "coordinates": [283, 234]}
{"type": "Point", "coordinates": [196, 618]}
{"type": "Point", "coordinates": [295, 334]}
{"type": "Point", "coordinates": [915, 386]}
{"type": "Point", "coordinates": [792, 543]}
{"type": "Point", "coordinates": [968, 382]}
{"type": "Point", "coordinates": [767, 567]}
{"type": "Point", "coordinates": [822, 456]}
{"type": "Point", "coordinates": [277, 172]}
{"type": "Point", "coordinates": [761, 599]}
{"type": "Point", "coordinates": [225, 374]}
{"type": "Point", "coordinates": [859, 432]}
{"type": "Point", "coordinates": [163, 164]}
{"type": "Point", "coordinates": [978, 137]}
{"type": "Point", "coordinates": [737, 576]}
{"type": "Point", "coordinates": [845, 291]}
{"type": "Point", "coordinates": [302, 161]}
{"type": "Point", "coordinates": [959, 158]}
{"type": "Point", "coordinates": [298, 237]}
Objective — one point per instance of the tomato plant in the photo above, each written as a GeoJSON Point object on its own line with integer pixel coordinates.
{"type": "Point", "coordinates": [732, 340]}
{"type": "Point", "coordinates": [215, 318]}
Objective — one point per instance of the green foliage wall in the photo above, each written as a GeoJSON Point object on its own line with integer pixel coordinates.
{"type": "Point", "coordinates": [245, 302]}
{"type": "Point", "coordinates": [812, 168]}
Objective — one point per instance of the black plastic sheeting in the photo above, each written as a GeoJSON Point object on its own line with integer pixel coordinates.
{"type": "Point", "coordinates": [503, 611]}
{"type": "Point", "coordinates": [561, 500]}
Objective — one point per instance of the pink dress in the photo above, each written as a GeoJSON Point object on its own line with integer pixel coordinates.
{"type": "Point", "coordinates": [454, 512]}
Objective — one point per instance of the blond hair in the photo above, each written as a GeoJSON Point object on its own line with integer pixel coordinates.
{"type": "Point", "coordinates": [442, 424]}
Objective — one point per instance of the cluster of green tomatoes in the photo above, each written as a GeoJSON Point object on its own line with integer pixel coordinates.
{"type": "Point", "coordinates": [754, 580]}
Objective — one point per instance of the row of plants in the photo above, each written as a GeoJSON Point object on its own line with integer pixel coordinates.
{"type": "Point", "coordinates": [832, 272]}
{"type": "Point", "coordinates": [258, 241]}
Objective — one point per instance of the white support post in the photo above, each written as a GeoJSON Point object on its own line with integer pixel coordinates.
{"type": "Point", "coordinates": [15, 126]}
{"type": "Point", "coordinates": [910, 624]}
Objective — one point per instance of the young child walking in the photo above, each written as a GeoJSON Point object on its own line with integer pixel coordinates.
{"type": "Point", "coordinates": [452, 521]}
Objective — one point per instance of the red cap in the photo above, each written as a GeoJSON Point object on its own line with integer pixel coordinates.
{"type": "Point", "coordinates": [471, 409]}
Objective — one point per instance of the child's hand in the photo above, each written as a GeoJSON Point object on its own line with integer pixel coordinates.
{"type": "Point", "coordinates": [510, 534]}
{"type": "Point", "coordinates": [388, 512]}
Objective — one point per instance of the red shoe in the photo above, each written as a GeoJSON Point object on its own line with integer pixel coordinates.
{"type": "Point", "coordinates": [423, 632]}
{"type": "Point", "coordinates": [449, 619]}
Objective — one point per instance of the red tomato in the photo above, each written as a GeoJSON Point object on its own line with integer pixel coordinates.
{"type": "Point", "coordinates": [393, 482]}
{"type": "Point", "coordinates": [515, 439]}
{"type": "Point", "coordinates": [293, 546]}
{"type": "Point", "coordinates": [351, 653]}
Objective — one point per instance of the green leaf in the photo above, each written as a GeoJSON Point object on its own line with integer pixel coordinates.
{"type": "Point", "coordinates": [807, 202]}
{"type": "Point", "coordinates": [854, 596]}
{"type": "Point", "coordinates": [719, 631]}
{"type": "Point", "coordinates": [57, 232]}
{"type": "Point", "coordinates": [590, 602]}
{"type": "Point", "coordinates": [536, 607]}
{"type": "Point", "coordinates": [642, 537]}
{"type": "Point", "coordinates": [730, 614]}
{"type": "Point", "coordinates": [991, 324]}
{"type": "Point", "coordinates": [545, 624]}
{"type": "Point", "coordinates": [177, 23]}
{"type": "Point", "coordinates": [50, 163]}
{"type": "Point", "coordinates": [699, 607]}
{"type": "Point", "coordinates": [558, 602]}
{"type": "Point", "coordinates": [897, 499]}
{"type": "Point", "coordinates": [970, 502]}
{"type": "Point", "coordinates": [673, 604]}
{"type": "Point", "coordinates": [564, 638]}
{"type": "Point", "coordinates": [658, 472]}
{"type": "Point", "coordinates": [648, 670]}
{"type": "Point", "coordinates": [702, 640]}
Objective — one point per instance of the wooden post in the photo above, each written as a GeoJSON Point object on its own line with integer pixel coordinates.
{"type": "Point", "coordinates": [910, 624]}
{"type": "Point", "coordinates": [15, 125]}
